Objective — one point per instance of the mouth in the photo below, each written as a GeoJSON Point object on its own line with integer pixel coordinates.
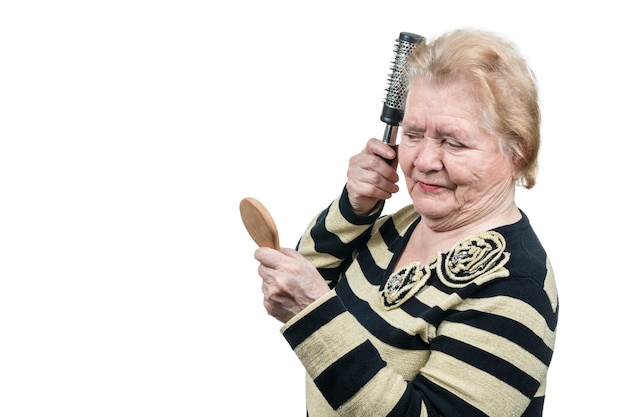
{"type": "Point", "coordinates": [428, 187]}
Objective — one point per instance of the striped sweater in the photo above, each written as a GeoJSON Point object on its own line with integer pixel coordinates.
{"type": "Point", "coordinates": [470, 334]}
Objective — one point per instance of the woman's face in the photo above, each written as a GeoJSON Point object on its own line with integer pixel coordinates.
{"type": "Point", "coordinates": [454, 169]}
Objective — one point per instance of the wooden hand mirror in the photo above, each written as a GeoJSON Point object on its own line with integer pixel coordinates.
{"type": "Point", "coordinates": [259, 223]}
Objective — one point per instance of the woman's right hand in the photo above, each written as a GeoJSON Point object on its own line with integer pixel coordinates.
{"type": "Point", "coordinates": [371, 178]}
{"type": "Point", "coordinates": [290, 282]}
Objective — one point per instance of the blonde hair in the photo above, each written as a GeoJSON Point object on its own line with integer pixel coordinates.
{"type": "Point", "coordinates": [507, 85]}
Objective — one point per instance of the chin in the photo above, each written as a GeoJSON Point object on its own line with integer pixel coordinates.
{"type": "Point", "coordinates": [428, 211]}
{"type": "Point", "coordinates": [429, 206]}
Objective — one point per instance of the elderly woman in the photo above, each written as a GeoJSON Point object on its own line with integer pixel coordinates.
{"type": "Point", "coordinates": [447, 307]}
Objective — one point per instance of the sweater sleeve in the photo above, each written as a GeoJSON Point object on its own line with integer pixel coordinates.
{"type": "Point", "coordinates": [331, 239]}
{"type": "Point", "coordinates": [343, 363]}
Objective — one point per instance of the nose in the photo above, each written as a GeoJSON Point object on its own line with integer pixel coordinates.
{"type": "Point", "coordinates": [429, 155]}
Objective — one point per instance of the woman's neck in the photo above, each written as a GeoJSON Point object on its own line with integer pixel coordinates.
{"type": "Point", "coordinates": [426, 242]}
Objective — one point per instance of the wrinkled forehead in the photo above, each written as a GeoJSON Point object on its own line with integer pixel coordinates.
{"type": "Point", "coordinates": [463, 89]}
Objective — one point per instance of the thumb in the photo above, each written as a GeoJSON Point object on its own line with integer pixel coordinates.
{"type": "Point", "coordinates": [268, 256]}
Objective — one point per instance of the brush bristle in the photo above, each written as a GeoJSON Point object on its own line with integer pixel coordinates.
{"type": "Point", "coordinates": [396, 81]}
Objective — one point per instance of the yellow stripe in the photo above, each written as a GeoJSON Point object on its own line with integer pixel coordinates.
{"type": "Point", "coordinates": [498, 346]}
{"type": "Point", "coordinates": [348, 334]}
{"type": "Point", "coordinates": [341, 227]}
{"type": "Point", "coordinates": [405, 362]}
{"type": "Point", "coordinates": [514, 309]}
{"type": "Point", "coordinates": [381, 255]}
{"type": "Point", "coordinates": [480, 389]}
{"type": "Point", "coordinates": [549, 286]}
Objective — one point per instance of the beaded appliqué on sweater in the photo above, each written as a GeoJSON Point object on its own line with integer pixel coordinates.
{"type": "Point", "coordinates": [477, 258]}
{"type": "Point", "coordinates": [404, 284]}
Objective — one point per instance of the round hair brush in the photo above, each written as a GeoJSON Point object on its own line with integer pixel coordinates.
{"type": "Point", "coordinates": [393, 106]}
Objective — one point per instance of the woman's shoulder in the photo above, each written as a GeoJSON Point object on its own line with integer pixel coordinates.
{"type": "Point", "coordinates": [405, 216]}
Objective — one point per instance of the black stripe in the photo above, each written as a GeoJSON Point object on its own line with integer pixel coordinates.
{"type": "Point", "coordinates": [374, 323]}
{"type": "Point", "coordinates": [345, 208]}
{"type": "Point", "coordinates": [447, 403]}
{"type": "Point", "coordinates": [410, 404]}
{"type": "Point", "coordinates": [535, 408]}
{"type": "Point", "coordinates": [325, 241]}
{"type": "Point", "coordinates": [302, 329]}
{"type": "Point", "coordinates": [395, 243]}
{"type": "Point", "coordinates": [505, 327]}
{"type": "Point", "coordinates": [374, 274]}
{"type": "Point", "coordinates": [494, 365]}
{"type": "Point", "coordinates": [527, 290]}
{"type": "Point", "coordinates": [390, 234]}
{"type": "Point", "coordinates": [344, 378]}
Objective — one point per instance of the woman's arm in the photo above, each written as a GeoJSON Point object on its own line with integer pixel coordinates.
{"type": "Point", "coordinates": [331, 239]}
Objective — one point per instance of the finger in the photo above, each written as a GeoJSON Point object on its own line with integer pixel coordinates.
{"type": "Point", "coordinates": [370, 183]}
{"type": "Point", "coordinates": [389, 155]}
{"type": "Point", "coordinates": [371, 168]}
{"type": "Point", "coordinates": [380, 148]}
{"type": "Point", "coordinates": [268, 275]}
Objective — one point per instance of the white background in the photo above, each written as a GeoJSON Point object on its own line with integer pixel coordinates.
{"type": "Point", "coordinates": [130, 130]}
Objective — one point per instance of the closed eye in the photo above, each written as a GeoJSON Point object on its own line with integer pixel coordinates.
{"type": "Point", "coordinates": [412, 137]}
{"type": "Point", "coordinates": [452, 143]}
